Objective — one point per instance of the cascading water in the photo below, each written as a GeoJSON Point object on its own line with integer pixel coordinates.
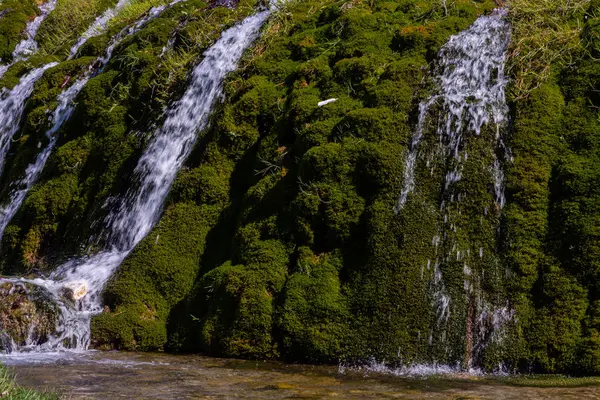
{"type": "Point", "coordinates": [29, 46]}
{"type": "Point", "coordinates": [98, 27]}
{"type": "Point", "coordinates": [472, 85]}
{"type": "Point", "coordinates": [83, 279]}
{"type": "Point", "coordinates": [471, 96]}
{"type": "Point", "coordinates": [62, 113]}
{"type": "Point", "coordinates": [12, 104]}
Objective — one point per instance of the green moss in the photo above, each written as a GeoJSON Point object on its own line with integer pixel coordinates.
{"type": "Point", "coordinates": [12, 25]}
{"type": "Point", "coordinates": [374, 125]}
{"type": "Point", "coordinates": [154, 279]}
{"type": "Point", "coordinates": [314, 313]}
{"type": "Point", "coordinates": [239, 320]}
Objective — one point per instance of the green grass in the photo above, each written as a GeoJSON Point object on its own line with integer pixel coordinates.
{"type": "Point", "coordinates": [134, 10]}
{"type": "Point", "coordinates": [550, 381]}
{"type": "Point", "coordinates": [546, 35]}
{"type": "Point", "coordinates": [9, 389]}
{"type": "Point", "coordinates": [72, 17]}
{"type": "Point", "coordinates": [64, 25]}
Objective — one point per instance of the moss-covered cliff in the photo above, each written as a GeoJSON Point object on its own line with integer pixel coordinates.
{"type": "Point", "coordinates": [280, 237]}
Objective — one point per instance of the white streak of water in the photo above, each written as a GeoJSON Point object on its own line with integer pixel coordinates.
{"type": "Point", "coordinates": [98, 27]}
{"type": "Point", "coordinates": [472, 83]}
{"type": "Point", "coordinates": [156, 170]}
{"type": "Point", "coordinates": [12, 105]}
{"type": "Point", "coordinates": [63, 113]}
{"type": "Point", "coordinates": [28, 46]}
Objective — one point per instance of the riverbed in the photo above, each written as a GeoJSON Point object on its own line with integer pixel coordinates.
{"type": "Point", "coordinates": [119, 375]}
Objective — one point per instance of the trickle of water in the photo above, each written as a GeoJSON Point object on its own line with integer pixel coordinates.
{"type": "Point", "coordinates": [471, 94]}
{"type": "Point", "coordinates": [471, 81]}
{"type": "Point", "coordinates": [140, 209]}
{"type": "Point", "coordinates": [491, 324]}
{"type": "Point", "coordinates": [28, 46]}
{"type": "Point", "coordinates": [12, 104]}
{"type": "Point", "coordinates": [98, 27]}
{"type": "Point", "coordinates": [62, 113]}
{"type": "Point", "coordinates": [411, 159]}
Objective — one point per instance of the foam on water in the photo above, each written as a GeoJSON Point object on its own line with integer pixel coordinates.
{"type": "Point", "coordinates": [410, 371]}
{"type": "Point", "coordinates": [70, 356]}
{"type": "Point", "coordinates": [421, 370]}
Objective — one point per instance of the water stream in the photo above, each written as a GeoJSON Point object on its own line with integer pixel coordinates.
{"type": "Point", "coordinates": [98, 26]}
{"type": "Point", "coordinates": [62, 113]}
{"type": "Point", "coordinates": [471, 82]}
{"type": "Point", "coordinates": [470, 96]}
{"type": "Point", "coordinates": [140, 209]}
{"type": "Point", "coordinates": [29, 46]}
{"type": "Point", "coordinates": [12, 105]}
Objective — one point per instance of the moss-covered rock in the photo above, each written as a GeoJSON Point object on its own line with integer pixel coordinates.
{"type": "Point", "coordinates": [15, 15]}
{"type": "Point", "coordinates": [279, 238]}
{"type": "Point", "coordinates": [27, 315]}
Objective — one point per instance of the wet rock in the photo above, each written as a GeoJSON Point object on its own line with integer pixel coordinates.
{"type": "Point", "coordinates": [75, 291]}
{"type": "Point", "coordinates": [27, 315]}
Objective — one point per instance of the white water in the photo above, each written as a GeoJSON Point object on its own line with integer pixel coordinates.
{"type": "Point", "coordinates": [412, 370]}
{"type": "Point", "coordinates": [12, 104]}
{"type": "Point", "coordinates": [471, 94]}
{"type": "Point", "coordinates": [98, 27]}
{"type": "Point", "coordinates": [28, 46]}
{"type": "Point", "coordinates": [471, 83]}
{"type": "Point", "coordinates": [62, 113]}
{"type": "Point", "coordinates": [140, 209]}
{"type": "Point", "coordinates": [421, 370]}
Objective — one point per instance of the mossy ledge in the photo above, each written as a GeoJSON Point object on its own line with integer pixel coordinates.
{"type": "Point", "coordinates": [279, 238]}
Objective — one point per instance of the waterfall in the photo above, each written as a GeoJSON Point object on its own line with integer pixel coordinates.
{"type": "Point", "coordinates": [28, 46]}
{"type": "Point", "coordinates": [471, 81]}
{"type": "Point", "coordinates": [12, 105]}
{"type": "Point", "coordinates": [98, 26]}
{"type": "Point", "coordinates": [470, 96]}
{"type": "Point", "coordinates": [83, 279]}
{"type": "Point", "coordinates": [62, 113]}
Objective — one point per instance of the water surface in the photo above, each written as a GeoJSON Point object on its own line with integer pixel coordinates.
{"type": "Point", "coordinates": [115, 375]}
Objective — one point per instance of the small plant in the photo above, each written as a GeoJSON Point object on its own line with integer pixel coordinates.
{"type": "Point", "coordinates": [10, 390]}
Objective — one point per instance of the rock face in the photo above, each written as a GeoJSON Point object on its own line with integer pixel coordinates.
{"type": "Point", "coordinates": [26, 315]}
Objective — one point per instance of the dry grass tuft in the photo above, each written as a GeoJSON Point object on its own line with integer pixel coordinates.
{"type": "Point", "coordinates": [546, 33]}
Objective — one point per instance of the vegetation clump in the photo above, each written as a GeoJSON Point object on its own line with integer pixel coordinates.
{"type": "Point", "coordinates": [279, 237]}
